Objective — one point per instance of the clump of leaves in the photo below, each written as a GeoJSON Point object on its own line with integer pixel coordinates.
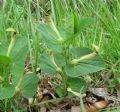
{"type": "Point", "coordinates": [62, 58]}
{"type": "Point", "coordinates": [12, 63]}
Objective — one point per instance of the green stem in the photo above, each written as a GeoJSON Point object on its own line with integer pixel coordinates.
{"type": "Point", "coordinates": [58, 69]}
{"type": "Point", "coordinates": [17, 89]}
{"type": "Point", "coordinates": [64, 78]}
{"type": "Point", "coordinates": [12, 43]}
{"type": "Point", "coordinates": [29, 27]}
{"type": "Point", "coordinates": [36, 51]}
{"type": "Point", "coordinates": [53, 11]}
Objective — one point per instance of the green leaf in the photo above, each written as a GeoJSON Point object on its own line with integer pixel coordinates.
{"type": "Point", "coordinates": [4, 59]}
{"type": "Point", "coordinates": [18, 55]}
{"type": "Point", "coordinates": [79, 52]}
{"type": "Point", "coordinates": [50, 37]}
{"type": "Point", "coordinates": [46, 65]}
{"type": "Point", "coordinates": [59, 91]}
{"type": "Point", "coordinates": [4, 46]}
{"type": "Point", "coordinates": [76, 23]}
{"type": "Point", "coordinates": [85, 66]}
{"type": "Point", "coordinates": [81, 23]}
{"type": "Point", "coordinates": [29, 85]}
{"type": "Point", "coordinates": [7, 92]}
{"type": "Point", "coordinates": [60, 60]}
{"type": "Point", "coordinates": [68, 23]}
{"type": "Point", "coordinates": [76, 84]}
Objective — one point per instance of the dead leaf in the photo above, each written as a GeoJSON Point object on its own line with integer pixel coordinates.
{"type": "Point", "coordinates": [76, 109]}
{"type": "Point", "coordinates": [100, 92]}
{"type": "Point", "coordinates": [43, 109]}
{"type": "Point", "coordinates": [101, 104]}
{"type": "Point", "coordinates": [96, 106]}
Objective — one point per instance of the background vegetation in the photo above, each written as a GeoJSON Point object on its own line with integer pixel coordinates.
{"type": "Point", "coordinates": [21, 19]}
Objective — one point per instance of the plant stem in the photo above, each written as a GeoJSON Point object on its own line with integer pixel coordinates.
{"type": "Point", "coordinates": [64, 78]}
{"type": "Point", "coordinates": [53, 11]}
{"type": "Point", "coordinates": [36, 51]}
{"type": "Point", "coordinates": [12, 43]}
{"type": "Point", "coordinates": [19, 83]}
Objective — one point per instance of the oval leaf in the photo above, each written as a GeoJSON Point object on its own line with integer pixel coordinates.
{"type": "Point", "coordinates": [29, 85]}
{"type": "Point", "coordinates": [7, 92]}
{"type": "Point", "coordinates": [85, 67]}
{"type": "Point", "coordinates": [76, 84]}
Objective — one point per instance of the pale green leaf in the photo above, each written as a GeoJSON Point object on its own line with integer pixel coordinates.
{"type": "Point", "coordinates": [85, 66]}
{"type": "Point", "coordinates": [76, 84]}
{"type": "Point", "coordinates": [50, 37]}
{"type": "Point", "coordinates": [6, 92]}
{"type": "Point", "coordinates": [60, 60]}
{"type": "Point", "coordinates": [29, 85]}
{"type": "Point", "coordinates": [18, 55]}
{"type": "Point", "coordinates": [46, 65]}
